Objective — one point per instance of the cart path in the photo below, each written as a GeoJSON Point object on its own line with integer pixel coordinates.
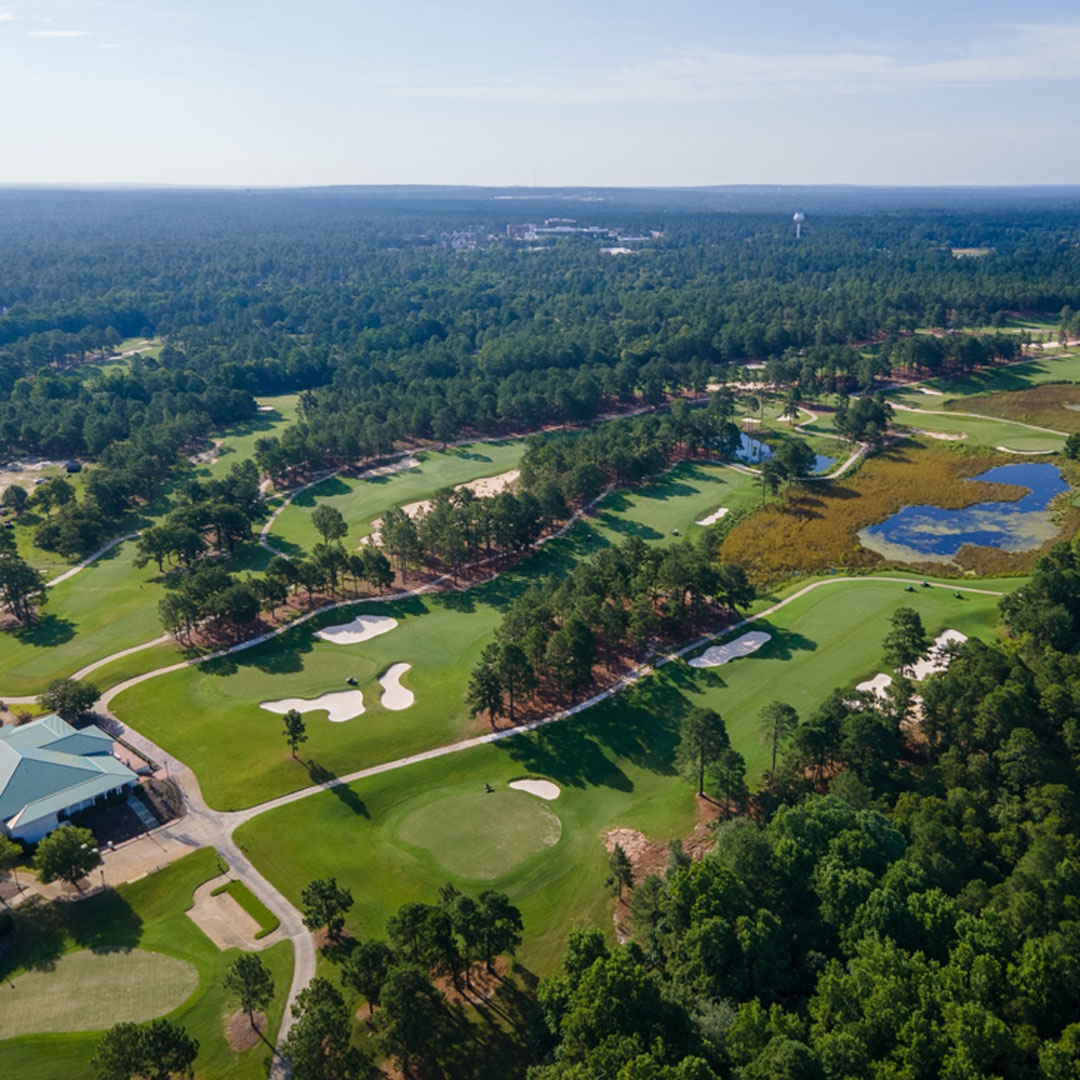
{"type": "Point", "coordinates": [202, 826]}
{"type": "Point", "coordinates": [976, 416]}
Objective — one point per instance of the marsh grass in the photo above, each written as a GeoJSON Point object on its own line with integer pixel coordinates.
{"type": "Point", "coordinates": [815, 527]}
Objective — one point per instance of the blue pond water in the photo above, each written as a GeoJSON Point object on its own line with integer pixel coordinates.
{"type": "Point", "coordinates": [930, 533]}
{"type": "Point", "coordinates": [754, 451]}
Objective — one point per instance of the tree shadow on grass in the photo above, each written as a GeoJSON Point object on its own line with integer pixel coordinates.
{"type": "Point", "coordinates": [332, 485]}
{"type": "Point", "coordinates": [640, 726]}
{"type": "Point", "coordinates": [630, 527]}
{"type": "Point", "coordinates": [325, 778]}
{"type": "Point", "coordinates": [45, 929]}
{"type": "Point", "coordinates": [46, 632]}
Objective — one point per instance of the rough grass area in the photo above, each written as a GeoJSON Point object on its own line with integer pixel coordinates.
{"type": "Point", "coordinates": [815, 528]}
{"type": "Point", "coordinates": [480, 834]}
{"type": "Point", "coordinates": [267, 920]}
{"type": "Point", "coordinates": [132, 985]}
{"type": "Point", "coordinates": [145, 915]}
{"type": "Point", "coordinates": [1047, 405]}
{"type": "Point", "coordinates": [614, 765]}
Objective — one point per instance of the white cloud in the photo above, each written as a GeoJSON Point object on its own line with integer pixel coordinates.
{"type": "Point", "coordinates": [6, 16]}
{"type": "Point", "coordinates": [57, 33]}
{"type": "Point", "coordinates": [1016, 54]}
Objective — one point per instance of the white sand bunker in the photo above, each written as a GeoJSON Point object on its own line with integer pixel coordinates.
{"type": "Point", "coordinates": [936, 659]}
{"type": "Point", "coordinates": [359, 629]}
{"type": "Point", "coordinates": [1023, 453]}
{"type": "Point", "coordinates": [715, 655]}
{"type": "Point", "coordinates": [543, 789]}
{"type": "Point", "coordinates": [713, 518]}
{"type": "Point", "coordinates": [340, 705]}
{"type": "Point", "coordinates": [485, 487]}
{"type": "Point", "coordinates": [944, 436]}
{"type": "Point", "coordinates": [877, 685]}
{"type": "Point", "coordinates": [265, 408]}
{"type": "Point", "coordinates": [929, 390]}
{"type": "Point", "coordinates": [395, 696]}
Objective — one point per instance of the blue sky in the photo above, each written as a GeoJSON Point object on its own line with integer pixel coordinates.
{"type": "Point", "coordinates": [241, 92]}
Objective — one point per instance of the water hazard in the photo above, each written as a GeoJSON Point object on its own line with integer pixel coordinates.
{"type": "Point", "coordinates": [934, 534]}
{"type": "Point", "coordinates": [754, 451]}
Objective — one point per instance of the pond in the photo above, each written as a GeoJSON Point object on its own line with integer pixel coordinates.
{"type": "Point", "coordinates": [933, 534]}
{"type": "Point", "coordinates": [754, 451]}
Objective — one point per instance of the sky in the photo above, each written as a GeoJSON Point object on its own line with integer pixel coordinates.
{"type": "Point", "coordinates": [557, 93]}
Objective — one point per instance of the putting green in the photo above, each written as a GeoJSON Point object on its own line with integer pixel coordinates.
{"type": "Point", "coordinates": [482, 835]}
{"type": "Point", "coordinates": [88, 991]}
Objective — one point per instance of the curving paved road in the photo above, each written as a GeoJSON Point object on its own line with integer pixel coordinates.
{"type": "Point", "coordinates": [203, 826]}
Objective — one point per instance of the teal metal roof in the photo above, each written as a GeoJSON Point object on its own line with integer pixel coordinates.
{"type": "Point", "coordinates": [47, 765]}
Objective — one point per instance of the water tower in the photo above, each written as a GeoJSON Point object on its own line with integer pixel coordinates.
{"type": "Point", "coordinates": [799, 218]}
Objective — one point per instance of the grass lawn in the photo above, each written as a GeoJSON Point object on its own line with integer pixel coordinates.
{"type": "Point", "coordinates": [362, 500]}
{"type": "Point", "coordinates": [145, 915]}
{"type": "Point", "coordinates": [982, 433]}
{"type": "Point", "coordinates": [108, 606]}
{"type": "Point", "coordinates": [141, 985]}
{"type": "Point", "coordinates": [238, 441]}
{"type": "Point", "coordinates": [398, 836]}
{"type": "Point", "coordinates": [1059, 367]}
{"type": "Point", "coordinates": [111, 605]}
{"type": "Point", "coordinates": [188, 711]}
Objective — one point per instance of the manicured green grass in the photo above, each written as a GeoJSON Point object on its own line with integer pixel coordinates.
{"type": "Point", "coordinates": [189, 712]}
{"type": "Point", "coordinates": [238, 441]}
{"type": "Point", "coordinates": [614, 764]}
{"type": "Point", "coordinates": [476, 837]}
{"type": "Point", "coordinates": [267, 920]}
{"type": "Point", "coordinates": [360, 829]}
{"type": "Point", "coordinates": [361, 501]}
{"type": "Point", "coordinates": [141, 985]}
{"type": "Point", "coordinates": [147, 914]}
{"type": "Point", "coordinates": [108, 606]}
{"type": "Point", "coordinates": [1060, 367]}
{"type": "Point", "coordinates": [978, 432]}
{"type": "Point", "coordinates": [112, 605]}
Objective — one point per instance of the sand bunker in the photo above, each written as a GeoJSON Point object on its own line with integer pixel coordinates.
{"type": "Point", "coordinates": [265, 408]}
{"type": "Point", "coordinates": [395, 696]}
{"type": "Point", "coordinates": [1024, 453]}
{"type": "Point", "coordinates": [486, 487]}
{"type": "Point", "coordinates": [359, 629]}
{"type": "Point", "coordinates": [716, 655]}
{"type": "Point", "coordinates": [944, 436]}
{"type": "Point", "coordinates": [543, 789]}
{"type": "Point", "coordinates": [713, 518]}
{"type": "Point", "coordinates": [877, 685]}
{"type": "Point", "coordinates": [340, 705]}
{"type": "Point", "coordinates": [936, 659]}
{"type": "Point", "coordinates": [930, 391]}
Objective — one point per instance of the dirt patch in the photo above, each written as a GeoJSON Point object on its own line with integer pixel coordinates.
{"type": "Point", "coordinates": [223, 920]}
{"type": "Point", "coordinates": [482, 983]}
{"type": "Point", "coordinates": [240, 1034]}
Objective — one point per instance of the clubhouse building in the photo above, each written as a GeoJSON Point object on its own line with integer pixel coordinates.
{"type": "Point", "coordinates": [49, 770]}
